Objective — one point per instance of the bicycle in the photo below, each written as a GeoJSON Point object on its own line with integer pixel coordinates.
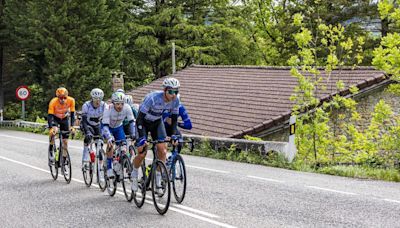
{"type": "Point", "coordinates": [147, 175]}
{"type": "Point", "coordinates": [54, 164]}
{"type": "Point", "coordinates": [177, 172]}
{"type": "Point", "coordinates": [94, 163]}
{"type": "Point", "coordinates": [122, 169]}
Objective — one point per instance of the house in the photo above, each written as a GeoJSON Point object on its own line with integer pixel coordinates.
{"type": "Point", "coordinates": [234, 101]}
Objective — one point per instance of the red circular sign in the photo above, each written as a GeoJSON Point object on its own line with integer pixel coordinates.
{"type": "Point", "coordinates": [22, 92]}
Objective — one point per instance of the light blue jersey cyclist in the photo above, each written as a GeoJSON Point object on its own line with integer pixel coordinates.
{"type": "Point", "coordinates": [113, 130]}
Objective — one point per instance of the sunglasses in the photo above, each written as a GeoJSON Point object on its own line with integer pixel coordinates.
{"type": "Point", "coordinates": [62, 98]}
{"type": "Point", "coordinates": [172, 92]}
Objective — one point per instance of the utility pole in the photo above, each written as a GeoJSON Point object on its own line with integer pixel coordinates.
{"type": "Point", "coordinates": [173, 58]}
{"type": "Point", "coordinates": [3, 2]}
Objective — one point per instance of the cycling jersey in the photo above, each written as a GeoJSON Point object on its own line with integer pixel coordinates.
{"type": "Point", "coordinates": [112, 122]}
{"type": "Point", "coordinates": [154, 105]}
{"type": "Point", "coordinates": [114, 119]}
{"type": "Point", "coordinates": [60, 110]}
{"type": "Point", "coordinates": [93, 115]}
{"type": "Point", "coordinates": [187, 123]}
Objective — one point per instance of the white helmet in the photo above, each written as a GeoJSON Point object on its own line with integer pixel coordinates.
{"type": "Point", "coordinates": [121, 91]}
{"type": "Point", "coordinates": [129, 100]}
{"type": "Point", "coordinates": [117, 97]}
{"type": "Point", "coordinates": [171, 83]}
{"type": "Point", "coordinates": [97, 94]}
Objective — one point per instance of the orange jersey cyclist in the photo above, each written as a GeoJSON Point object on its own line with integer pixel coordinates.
{"type": "Point", "coordinates": [60, 108]}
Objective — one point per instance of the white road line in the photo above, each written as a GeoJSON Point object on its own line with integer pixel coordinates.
{"type": "Point", "coordinates": [393, 201]}
{"type": "Point", "coordinates": [147, 201]}
{"type": "Point", "coordinates": [33, 140]}
{"type": "Point", "coordinates": [266, 179]}
{"type": "Point", "coordinates": [196, 211]}
{"type": "Point", "coordinates": [75, 147]}
{"type": "Point", "coordinates": [25, 139]}
{"type": "Point", "coordinates": [331, 190]}
{"type": "Point", "coordinates": [212, 170]}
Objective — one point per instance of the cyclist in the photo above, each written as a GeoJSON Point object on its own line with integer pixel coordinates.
{"type": "Point", "coordinates": [186, 124]}
{"type": "Point", "coordinates": [60, 107]}
{"type": "Point", "coordinates": [92, 113]}
{"type": "Point", "coordinates": [113, 129]}
{"type": "Point", "coordinates": [129, 100]}
{"type": "Point", "coordinates": [150, 119]}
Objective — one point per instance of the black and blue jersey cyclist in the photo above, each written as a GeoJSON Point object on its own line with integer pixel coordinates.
{"type": "Point", "coordinates": [150, 120]}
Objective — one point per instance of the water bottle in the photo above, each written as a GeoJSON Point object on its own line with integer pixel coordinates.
{"type": "Point", "coordinates": [169, 161]}
{"type": "Point", "coordinates": [92, 156]}
{"type": "Point", "coordinates": [56, 155]}
{"type": "Point", "coordinates": [148, 168]}
{"type": "Point", "coordinates": [117, 167]}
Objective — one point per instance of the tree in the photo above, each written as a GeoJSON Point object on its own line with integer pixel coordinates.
{"type": "Point", "coordinates": [73, 44]}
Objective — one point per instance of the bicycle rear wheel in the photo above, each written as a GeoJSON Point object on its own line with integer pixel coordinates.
{"type": "Point", "coordinates": [53, 166]}
{"type": "Point", "coordinates": [140, 195]}
{"type": "Point", "coordinates": [87, 172]}
{"type": "Point", "coordinates": [67, 170]}
{"type": "Point", "coordinates": [126, 178]}
{"type": "Point", "coordinates": [162, 191]}
{"type": "Point", "coordinates": [178, 178]}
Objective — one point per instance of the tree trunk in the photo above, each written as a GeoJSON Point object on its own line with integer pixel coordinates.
{"type": "Point", "coordinates": [384, 27]}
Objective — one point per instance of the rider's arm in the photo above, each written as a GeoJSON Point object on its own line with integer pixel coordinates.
{"type": "Point", "coordinates": [131, 120]}
{"type": "Point", "coordinates": [50, 117]}
{"type": "Point", "coordinates": [132, 128]}
{"type": "Point", "coordinates": [187, 124]}
{"type": "Point", "coordinates": [106, 123]}
{"type": "Point", "coordinates": [174, 116]}
{"type": "Point", "coordinates": [72, 110]}
{"type": "Point", "coordinates": [85, 124]}
{"type": "Point", "coordinates": [174, 121]}
{"type": "Point", "coordinates": [106, 132]}
{"type": "Point", "coordinates": [50, 120]}
{"type": "Point", "coordinates": [84, 120]}
{"type": "Point", "coordinates": [72, 118]}
{"type": "Point", "coordinates": [140, 123]}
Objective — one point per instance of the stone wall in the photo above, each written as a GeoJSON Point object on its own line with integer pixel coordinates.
{"type": "Point", "coordinates": [366, 104]}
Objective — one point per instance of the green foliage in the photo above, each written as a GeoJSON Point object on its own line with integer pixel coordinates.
{"type": "Point", "coordinates": [252, 138]}
{"type": "Point", "coordinates": [12, 111]}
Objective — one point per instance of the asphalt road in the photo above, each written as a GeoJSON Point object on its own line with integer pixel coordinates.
{"type": "Point", "coordinates": [219, 194]}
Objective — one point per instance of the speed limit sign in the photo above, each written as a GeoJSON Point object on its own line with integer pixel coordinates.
{"type": "Point", "coordinates": [22, 93]}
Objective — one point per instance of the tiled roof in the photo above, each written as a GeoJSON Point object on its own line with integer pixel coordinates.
{"type": "Point", "coordinates": [232, 101]}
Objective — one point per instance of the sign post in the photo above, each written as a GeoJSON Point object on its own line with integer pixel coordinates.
{"type": "Point", "coordinates": [22, 93]}
{"type": "Point", "coordinates": [292, 136]}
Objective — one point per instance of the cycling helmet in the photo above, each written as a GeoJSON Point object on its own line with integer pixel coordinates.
{"type": "Point", "coordinates": [171, 83]}
{"type": "Point", "coordinates": [97, 94]}
{"type": "Point", "coordinates": [61, 92]}
{"type": "Point", "coordinates": [121, 91]}
{"type": "Point", "coordinates": [117, 97]}
{"type": "Point", "coordinates": [129, 99]}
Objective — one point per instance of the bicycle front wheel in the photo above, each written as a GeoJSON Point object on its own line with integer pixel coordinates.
{"type": "Point", "coordinates": [178, 178]}
{"type": "Point", "coordinates": [87, 172]}
{"type": "Point", "coordinates": [101, 170]}
{"type": "Point", "coordinates": [111, 184]}
{"type": "Point", "coordinates": [67, 170]}
{"type": "Point", "coordinates": [52, 163]}
{"type": "Point", "coordinates": [126, 179]}
{"type": "Point", "coordinates": [140, 195]}
{"type": "Point", "coordinates": [160, 187]}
